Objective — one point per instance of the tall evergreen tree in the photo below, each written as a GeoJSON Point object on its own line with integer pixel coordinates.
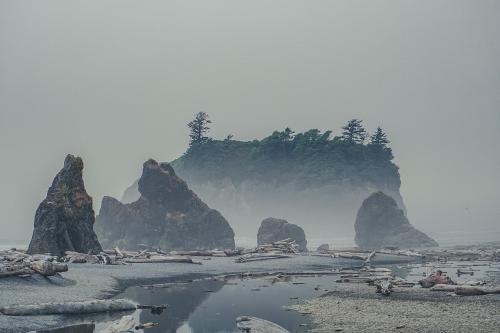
{"type": "Point", "coordinates": [354, 132]}
{"type": "Point", "coordinates": [199, 128]}
{"type": "Point", "coordinates": [379, 139]}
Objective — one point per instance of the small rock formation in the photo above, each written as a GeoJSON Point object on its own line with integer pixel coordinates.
{"type": "Point", "coordinates": [167, 215]}
{"type": "Point", "coordinates": [380, 222]}
{"type": "Point", "coordinates": [323, 248]}
{"type": "Point", "coordinates": [64, 221]}
{"type": "Point", "coordinates": [272, 230]}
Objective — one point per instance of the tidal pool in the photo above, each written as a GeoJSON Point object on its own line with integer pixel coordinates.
{"type": "Point", "coordinates": [212, 305]}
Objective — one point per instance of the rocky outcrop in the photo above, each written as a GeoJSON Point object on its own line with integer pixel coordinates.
{"type": "Point", "coordinates": [167, 215]}
{"type": "Point", "coordinates": [64, 221]}
{"type": "Point", "coordinates": [272, 230]}
{"type": "Point", "coordinates": [380, 222]}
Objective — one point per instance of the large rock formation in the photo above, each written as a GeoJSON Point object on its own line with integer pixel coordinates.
{"type": "Point", "coordinates": [272, 230]}
{"type": "Point", "coordinates": [305, 177]}
{"type": "Point", "coordinates": [167, 215]}
{"type": "Point", "coordinates": [64, 220]}
{"type": "Point", "coordinates": [380, 222]}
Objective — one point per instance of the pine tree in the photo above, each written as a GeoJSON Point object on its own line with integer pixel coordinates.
{"type": "Point", "coordinates": [353, 132]}
{"type": "Point", "coordinates": [199, 129]}
{"type": "Point", "coordinates": [379, 139]}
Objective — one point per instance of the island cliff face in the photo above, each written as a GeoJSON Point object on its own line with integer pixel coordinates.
{"type": "Point", "coordinates": [64, 220]}
{"type": "Point", "coordinates": [380, 222]}
{"type": "Point", "coordinates": [316, 181]}
{"type": "Point", "coordinates": [167, 215]}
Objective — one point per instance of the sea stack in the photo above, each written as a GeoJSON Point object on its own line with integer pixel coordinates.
{"type": "Point", "coordinates": [272, 230]}
{"type": "Point", "coordinates": [168, 215]}
{"type": "Point", "coordinates": [64, 220]}
{"type": "Point", "coordinates": [380, 223]}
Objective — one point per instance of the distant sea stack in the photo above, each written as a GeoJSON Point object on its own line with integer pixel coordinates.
{"type": "Point", "coordinates": [167, 215]}
{"type": "Point", "coordinates": [311, 176]}
{"type": "Point", "coordinates": [380, 222]}
{"type": "Point", "coordinates": [272, 230]}
{"type": "Point", "coordinates": [64, 220]}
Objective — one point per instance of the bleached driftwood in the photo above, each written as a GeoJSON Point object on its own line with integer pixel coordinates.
{"type": "Point", "coordinates": [161, 259]}
{"type": "Point", "coordinates": [47, 268]}
{"type": "Point", "coordinates": [94, 306]}
{"type": "Point", "coordinates": [126, 323]}
{"type": "Point", "coordinates": [119, 252]}
{"type": "Point", "coordinates": [261, 256]}
{"type": "Point", "coordinates": [257, 325]}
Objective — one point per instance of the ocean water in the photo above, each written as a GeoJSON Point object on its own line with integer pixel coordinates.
{"type": "Point", "coordinates": [9, 244]}
{"type": "Point", "coordinates": [445, 239]}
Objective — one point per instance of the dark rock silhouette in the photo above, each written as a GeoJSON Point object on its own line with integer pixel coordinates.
{"type": "Point", "coordinates": [64, 220]}
{"type": "Point", "coordinates": [272, 230]}
{"type": "Point", "coordinates": [380, 222]}
{"type": "Point", "coordinates": [167, 215]}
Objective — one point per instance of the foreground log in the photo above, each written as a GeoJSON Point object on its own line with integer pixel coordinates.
{"type": "Point", "coordinates": [47, 268]}
{"type": "Point", "coordinates": [256, 325]}
{"type": "Point", "coordinates": [69, 307]}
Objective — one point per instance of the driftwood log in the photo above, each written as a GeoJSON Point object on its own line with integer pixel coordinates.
{"type": "Point", "coordinates": [47, 268]}
{"type": "Point", "coordinates": [161, 259]}
{"type": "Point", "coordinates": [261, 256]}
{"type": "Point", "coordinates": [475, 291]}
{"type": "Point", "coordinates": [69, 307]}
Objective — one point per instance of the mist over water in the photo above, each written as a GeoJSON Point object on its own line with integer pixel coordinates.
{"type": "Point", "coordinates": [116, 81]}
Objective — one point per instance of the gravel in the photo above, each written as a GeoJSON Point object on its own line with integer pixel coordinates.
{"type": "Point", "coordinates": [357, 308]}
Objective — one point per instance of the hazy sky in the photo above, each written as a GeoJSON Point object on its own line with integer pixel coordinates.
{"type": "Point", "coordinates": [115, 81]}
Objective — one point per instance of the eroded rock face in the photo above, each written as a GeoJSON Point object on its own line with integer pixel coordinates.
{"type": "Point", "coordinates": [380, 222]}
{"type": "Point", "coordinates": [64, 221]}
{"type": "Point", "coordinates": [272, 230]}
{"type": "Point", "coordinates": [167, 215]}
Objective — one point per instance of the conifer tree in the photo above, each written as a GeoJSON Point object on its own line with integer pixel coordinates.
{"type": "Point", "coordinates": [199, 128]}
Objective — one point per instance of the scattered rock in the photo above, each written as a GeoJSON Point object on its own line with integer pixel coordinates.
{"type": "Point", "coordinates": [272, 230]}
{"type": "Point", "coordinates": [380, 222]}
{"type": "Point", "coordinates": [168, 215]}
{"type": "Point", "coordinates": [64, 220]}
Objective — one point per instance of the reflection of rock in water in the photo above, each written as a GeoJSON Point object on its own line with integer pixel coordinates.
{"type": "Point", "coordinates": [83, 328]}
{"type": "Point", "coordinates": [182, 300]}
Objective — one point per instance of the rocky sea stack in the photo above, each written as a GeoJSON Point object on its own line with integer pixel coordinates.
{"type": "Point", "coordinates": [64, 221]}
{"type": "Point", "coordinates": [167, 215]}
{"type": "Point", "coordinates": [272, 230]}
{"type": "Point", "coordinates": [380, 222]}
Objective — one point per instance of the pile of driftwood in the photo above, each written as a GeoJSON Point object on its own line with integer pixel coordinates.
{"type": "Point", "coordinates": [17, 263]}
{"type": "Point", "coordinates": [117, 257]}
{"type": "Point", "coordinates": [285, 248]}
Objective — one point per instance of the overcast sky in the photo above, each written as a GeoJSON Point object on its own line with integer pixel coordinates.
{"type": "Point", "coordinates": [115, 81]}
